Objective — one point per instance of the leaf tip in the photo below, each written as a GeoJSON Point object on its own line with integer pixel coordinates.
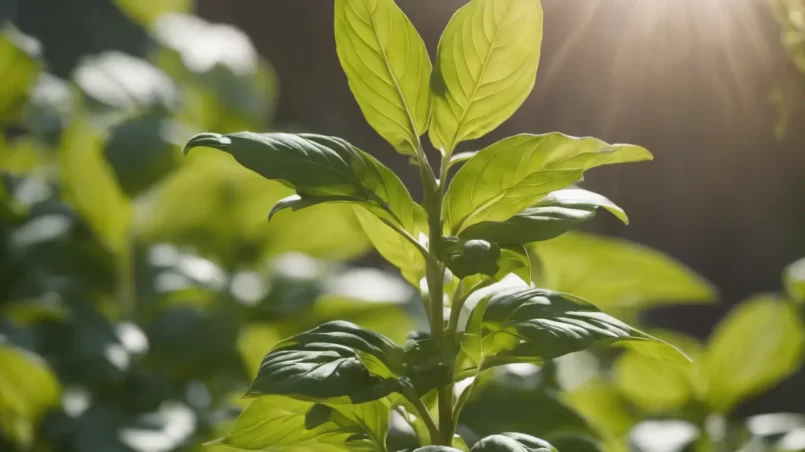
{"type": "Point", "coordinates": [213, 140]}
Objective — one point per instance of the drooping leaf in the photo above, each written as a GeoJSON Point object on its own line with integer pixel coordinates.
{"type": "Point", "coordinates": [515, 173]}
{"type": "Point", "coordinates": [656, 386]}
{"type": "Point", "coordinates": [794, 280]}
{"type": "Point", "coordinates": [512, 442]}
{"type": "Point", "coordinates": [758, 344]}
{"type": "Point", "coordinates": [388, 69]}
{"type": "Point", "coordinates": [320, 167]}
{"type": "Point", "coordinates": [28, 388]}
{"type": "Point", "coordinates": [336, 362]}
{"type": "Point", "coordinates": [552, 216]}
{"type": "Point", "coordinates": [535, 325]}
{"type": "Point", "coordinates": [19, 65]}
{"type": "Point", "coordinates": [486, 66]}
{"type": "Point", "coordinates": [279, 424]}
{"type": "Point", "coordinates": [612, 272]}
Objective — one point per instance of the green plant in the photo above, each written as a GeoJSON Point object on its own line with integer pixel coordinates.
{"type": "Point", "coordinates": [335, 385]}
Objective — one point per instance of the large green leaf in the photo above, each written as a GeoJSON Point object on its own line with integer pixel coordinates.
{"type": "Point", "coordinates": [518, 171]}
{"type": "Point", "coordinates": [552, 216]}
{"type": "Point", "coordinates": [612, 272]}
{"type": "Point", "coordinates": [388, 69]}
{"type": "Point", "coordinates": [512, 442]}
{"type": "Point", "coordinates": [794, 280]}
{"type": "Point", "coordinates": [535, 325]}
{"type": "Point", "coordinates": [656, 386]}
{"type": "Point", "coordinates": [19, 66]}
{"type": "Point", "coordinates": [321, 169]}
{"type": "Point", "coordinates": [486, 66]}
{"type": "Point", "coordinates": [279, 424]}
{"type": "Point", "coordinates": [758, 344]}
{"type": "Point", "coordinates": [28, 389]}
{"type": "Point", "coordinates": [394, 247]}
{"type": "Point", "coordinates": [337, 362]}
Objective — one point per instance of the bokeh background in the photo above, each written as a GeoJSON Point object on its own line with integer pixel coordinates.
{"type": "Point", "coordinates": [709, 86]}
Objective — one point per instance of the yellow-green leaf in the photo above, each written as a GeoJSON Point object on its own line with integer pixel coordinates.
{"type": "Point", "coordinates": [486, 66]}
{"type": "Point", "coordinates": [759, 343]}
{"type": "Point", "coordinates": [388, 68]}
{"type": "Point", "coordinates": [19, 65]}
{"type": "Point", "coordinates": [518, 171]}
{"type": "Point", "coordinates": [616, 273]}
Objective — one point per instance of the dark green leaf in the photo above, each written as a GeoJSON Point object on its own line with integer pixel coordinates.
{"type": "Point", "coordinates": [337, 362]}
{"type": "Point", "coordinates": [612, 272]}
{"type": "Point", "coordinates": [552, 216]}
{"type": "Point", "coordinates": [486, 66]}
{"type": "Point", "coordinates": [469, 257]}
{"type": "Point", "coordinates": [428, 364]}
{"type": "Point", "coordinates": [388, 69]}
{"type": "Point", "coordinates": [534, 325]}
{"type": "Point", "coordinates": [794, 280]}
{"type": "Point", "coordinates": [512, 442]}
{"type": "Point", "coordinates": [515, 173]}
{"type": "Point", "coordinates": [758, 344]}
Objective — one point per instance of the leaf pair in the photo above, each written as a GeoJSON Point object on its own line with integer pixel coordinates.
{"type": "Point", "coordinates": [485, 68]}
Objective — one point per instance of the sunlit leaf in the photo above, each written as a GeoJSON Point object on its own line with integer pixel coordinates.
{"type": "Point", "coordinates": [600, 403]}
{"type": "Point", "coordinates": [19, 65]}
{"type": "Point", "coordinates": [486, 66]}
{"type": "Point", "coordinates": [28, 389]}
{"type": "Point", "coordinates": [512, 442]}
{"type": "Point", "coordinates": [612, 272]}
{"type": "Point", "coordinates": [552, 216]}
{"type": "Point", "coordinates": [515, 173]}
{"type": "Point", "coordinates": [758, 344]}
{"type": "Point", "coordinates": [388, 68]}
{"type": "Point", "coordinates": [147, 11]}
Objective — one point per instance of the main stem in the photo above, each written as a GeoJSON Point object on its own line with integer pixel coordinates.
{"type": "Point", "coordinates": [433, 195]}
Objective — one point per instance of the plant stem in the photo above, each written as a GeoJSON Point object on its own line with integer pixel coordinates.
{"type": "Point", "coordinates": [410, 394]}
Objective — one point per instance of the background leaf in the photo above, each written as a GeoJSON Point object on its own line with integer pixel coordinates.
{"type": "Point", "coordinates": [615, 273]}
{"type": "Point", "coordinates": [486, 66]}
{"type": "Point", "coordinates": [794, 280]}
{"type": "Point", "coordinates": [759, 343]}
{"type": "Point", "coordinates": [388, 68]}
{"type": "Point", "coordinates": [19, 65]}
{"type": "Point", "coordinates": [518, 171]}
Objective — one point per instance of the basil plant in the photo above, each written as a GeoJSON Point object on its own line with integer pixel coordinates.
{"type": "Point", "coordinates": [336, 386]}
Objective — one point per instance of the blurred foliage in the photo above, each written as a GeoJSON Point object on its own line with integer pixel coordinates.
{"type": "Point", "coordinates": [139, 290]}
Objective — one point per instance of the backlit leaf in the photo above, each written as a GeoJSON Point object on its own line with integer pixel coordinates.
{"type": "Point", "coordinates": [515, 173]}
{"type": "Point", "coordinates": [486, 66]}
{"type": "Point", "coordinates": [388, 68]}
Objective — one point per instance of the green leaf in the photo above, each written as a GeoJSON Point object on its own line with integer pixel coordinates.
{"type": "Point", "coordinates": [486, 66]}
{"type": "Point", "coordinates": [515, 173]}
{"type": "Point", "coordinates": [656, 386]}
{"type": "Point", "coordinates": [91, 187]}
{"type": "Point", "coordinates": [320, 168]}
{"type": "Point", "coordinates": [612, 272]}
{"type": "Point", "coordinates": [759, 343]}
{"type": "Point", "coordinates": [603, 406]}
{"type": "Point", "coordinates": [392, 246]}
{"type": "Point", "coordinates": [147, 11]}
{"type": "Point", "coordinates": [552, 216]}
{"type": "Point", "coordinates": [794, 280]}
{"type": "Point", "coordinates": [279, 424]}
{"type": "Point", "coordinates": [336, 362]}
{"type": "Point", "coordinates": [437, 449]}
{"type": "Point", "coordinates": [388, 69]}
{"type": "Point", "coordinates": [19, 66]}
{"type": "Point", "coordinates": [535, 325]}
{"type": "Point", "coordinates": [469, 257]}
{"type": "Point", "coordinates": [512, 442]}
{"type": "Point", "coordinates": [28, 389]}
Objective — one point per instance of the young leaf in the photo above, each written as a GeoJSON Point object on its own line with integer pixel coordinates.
{"type": "Point", "coordinates": [535, 325]}
{"type": "Point", "coordinates": [388, 69]}
{"type": "Point", "coordinates": [612, 272]}
{"type": "Point", "coordinates": [469, 257]}
{"type": "Point", "coordinates": [486, 66]}
{"type": "Point", "coordinates": [512, 442]}
{"type": "Point", "coordinates": [552, 216]}
{"type": "Point", "coordinates": [758, 344]}
{"type": "Point", "coordinates": [321, 169]}
{"type": "Point", "coordinates": [336, 362]}
{"type": "Point", "coordinates": [514, 173]}
{"type": "Point", "coordinates": [794, 280]}
{"type": "Point", "coordinates": [279, 424]}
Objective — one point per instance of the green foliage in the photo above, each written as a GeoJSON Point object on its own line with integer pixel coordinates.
{"type": "Point", "coordinates": [19, 65]}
